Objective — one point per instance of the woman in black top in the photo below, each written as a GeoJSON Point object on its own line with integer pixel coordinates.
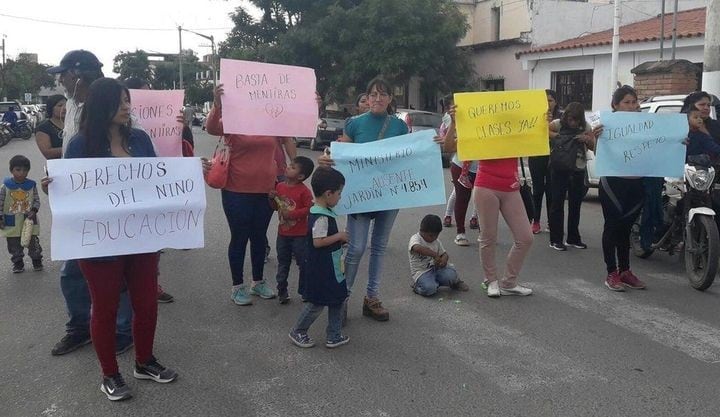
{"type": "Point", "coordinates": [48, 134]}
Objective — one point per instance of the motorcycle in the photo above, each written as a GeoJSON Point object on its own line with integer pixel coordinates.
{"type": "Point", "coordinates": [21, 129]}
{"type": "Point", "coordinates": [6, 134]}
{"type": "Point", "coordinates": [688, 223]}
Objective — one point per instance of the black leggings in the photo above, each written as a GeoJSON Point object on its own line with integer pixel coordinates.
{"type": "Point", "coordinates": [540, 174]}
{"type": "Point", "coordinates": [621, 200]}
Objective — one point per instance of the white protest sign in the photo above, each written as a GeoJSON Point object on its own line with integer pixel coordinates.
{"type": "Point", "coordinates": [268, 99]}
{"type": "Point", "coordinates": [157, 112]}
{"type": "Point", "coordinates": [121, 206]}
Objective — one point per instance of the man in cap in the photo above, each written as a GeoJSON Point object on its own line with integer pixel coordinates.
{"type": "Point", "coordinates": [77, 70]}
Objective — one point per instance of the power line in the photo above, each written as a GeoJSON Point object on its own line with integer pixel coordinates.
{"type": "Point", "coordinates": [56, 22]}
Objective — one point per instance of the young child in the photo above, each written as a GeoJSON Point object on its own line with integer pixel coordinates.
{"type": "Point", "coordinates": [292, 200]}
{"type": "Point", "coordinates": [699, 141]}
{"type": "Point", "coordinates": [428, 260]}
{"type": "Point", "coordinates": [19, 200]}
{"type": "Point", "coordinates": [322, 279]}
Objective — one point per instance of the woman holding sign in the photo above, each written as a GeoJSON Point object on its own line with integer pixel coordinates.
{"type": "Point", "coordinates": [105, 132]}
{"type": "Point", "coordinates": [245, 198]}
{"type": "Point", "coordinates": [497, 191]}
{"type": "Point", "coordinates": [621, 199]}
{"type": "Point", "coordinates": [374, 125]}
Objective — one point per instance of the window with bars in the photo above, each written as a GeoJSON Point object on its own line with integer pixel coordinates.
{"type": "Point", "coordinates": [494, 85]}
{"type": "Point", "coordinates": [574, 86]}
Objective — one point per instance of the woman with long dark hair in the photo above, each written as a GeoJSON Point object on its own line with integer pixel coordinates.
{"type": "Point", "coordinates": [376, 124]}
{"type": "Point", "coordinates": [48, 134]}
{"type": "Point", "coordinates": [621, 199]}
{"type": "Point", "coordinates": [540, 169]}
{"type": "Point", "coordinates": [105, 132]}
{"type": "Point", "coordinates": [569, 181]}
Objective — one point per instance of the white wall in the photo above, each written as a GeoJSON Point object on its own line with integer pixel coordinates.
{"type": "Point", "coordinates": [557, 20]}
{"type": "Point", "coordinates": [501, 61]}
{"type": "Point", "coordinates": [541, 66]}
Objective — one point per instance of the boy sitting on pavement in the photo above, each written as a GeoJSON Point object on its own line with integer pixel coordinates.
{"type": "Point", "coordinates": [429, 266]}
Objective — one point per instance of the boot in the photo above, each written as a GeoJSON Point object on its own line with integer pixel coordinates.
{"type": "Point", "coordinates": [372, 307]}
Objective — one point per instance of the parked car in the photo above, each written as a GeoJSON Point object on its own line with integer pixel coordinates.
{"type": "Point", "coordinates": [423, 120]}
{"type": "Point", "coordinates": [330, 128]}
{"type": "Point", "coordinates": [5, 105]}
{"type": "Point", "coordinates": [657, 104]}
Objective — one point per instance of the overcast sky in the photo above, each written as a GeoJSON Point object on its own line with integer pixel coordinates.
{"type": "Point", "coordinates": [52, 40]}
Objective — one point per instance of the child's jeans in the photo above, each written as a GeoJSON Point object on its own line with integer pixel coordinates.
{"type": "Point", "coordinates": [17, 252]}
{"type": "Point", "coordinates": [311, 312]}
{"type": "Point", "coordinates": [429, 282]}
{"type": "Point", "coordinates": [287, 246]}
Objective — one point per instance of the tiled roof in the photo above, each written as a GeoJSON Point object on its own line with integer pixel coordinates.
{"type": "Point", "coordinates": [690, 24]}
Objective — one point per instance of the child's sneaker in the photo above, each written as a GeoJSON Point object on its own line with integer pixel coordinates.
{"type": "Point", "coordinates": [262, 290]}
{"type": "Point", "coordinates": [459, 285]}
{"type": "Point", "coordinates": [464, 180]}
{"type": "Point", "coordinates": [447, 222]}
{"type": "Point", "coordinates": [474, 224]}
{"type": "Point", "coordinates": [37, 265]}
{"type": "Point", "coordinates": [283, 296]}
{"type": "Point", "coordinates": [331, 344]}
{"type": "Point", "coordinates": [154, 371]}
{"type": "Point", "coordinates": [301, 339]}
{"type": "Point", "coordinates": [18, 268]}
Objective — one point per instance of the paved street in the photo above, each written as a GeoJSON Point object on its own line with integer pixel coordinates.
{"type": "Point", "coordinates": [571, 349]}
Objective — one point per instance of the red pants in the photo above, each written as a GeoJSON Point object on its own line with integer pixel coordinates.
{"type": "Point", "coordinates": [105, 280]}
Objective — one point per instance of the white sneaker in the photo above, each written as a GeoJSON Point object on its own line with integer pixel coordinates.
{"type": "Point", "coordinates": [516, 290]}
{"type": "Point", "coordinates": [493, 289]}
{"type": "Point", "coordinates": [461, 240]}
{"type": "Point", "coordinates": [479, 239]}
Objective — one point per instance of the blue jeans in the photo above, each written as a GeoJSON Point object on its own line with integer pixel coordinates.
{"type": "Point", "coordinates": [287, 246]}
{"type": "Point", "coordinates": [77, 299]}
{"type": "Point", "coordinates": [429, 282]}
{"type": "Point", "coordinates": [358, 226]}
{"type": "Point", "coordinates": [652, 214]}
{"type": "Point", "coordinates": [311, 312]}
{"type": "Point", "coordinates": [248, 216]}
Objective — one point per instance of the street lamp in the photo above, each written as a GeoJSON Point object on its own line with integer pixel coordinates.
{"type": "Point", "coordinates": [2, 69]}
{"type": "Point", "coordinates": [211, 38]}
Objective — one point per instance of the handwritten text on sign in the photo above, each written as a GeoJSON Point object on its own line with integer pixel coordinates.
{"type": "Point", "coordinates": [268, 99]}
{"type": "Point", "coordinates": [501, 124]}
{"type": "Point", "coordinates": [119, 206]}
{"type": "Point", "coordinates": [399, 172]}
{"type": "Point", "coordinates": [641, 144]}
{"type": "Point", "coordinates": [157, 113]}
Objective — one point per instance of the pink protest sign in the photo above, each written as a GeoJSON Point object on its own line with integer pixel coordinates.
{"type": "Point", "coordinates": [156, 111]}
{"type": "Point", "coordinates": [268, 99]}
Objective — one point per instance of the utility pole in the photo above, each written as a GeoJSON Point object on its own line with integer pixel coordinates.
{"type": "Point", "coordinates": [615, 48]}
{"type": "Point", "coordinates": [180, 56]}
{"type": "Point", "coordinates": [674, 29]}
{"type": "Point", "coordinates": [662, 29]}
{"type": "Point", "coordinates": [211, 38]}
{"type": "Point", "coordinates": [2, 72]}
{"type": "Point", "coordinates": [711, 62]}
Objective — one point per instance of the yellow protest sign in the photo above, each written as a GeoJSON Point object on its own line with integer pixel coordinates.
{"type": "Point", "coordinates": [501, 124]}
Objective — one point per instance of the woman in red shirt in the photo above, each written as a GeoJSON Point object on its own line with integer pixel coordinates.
{"type": "Point", "coordinates": [497, 189]}
{"type": "Point", "coordinates": [251, 177]}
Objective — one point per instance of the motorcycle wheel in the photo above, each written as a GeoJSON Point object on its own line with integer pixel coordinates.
{"type": "Point", "coordinates": [635, 245]}
{"type": "Point", "coordinates": [701, 263]}
{"type": "Point", "coordinates": [25, 133]}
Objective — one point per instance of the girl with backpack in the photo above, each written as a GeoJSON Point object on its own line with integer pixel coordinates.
{"type": "Point", "coordinates": [570, 137]}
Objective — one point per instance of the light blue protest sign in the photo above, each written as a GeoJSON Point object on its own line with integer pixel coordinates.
{"type": "Point", "coordinates": [641, 144]}
{"type": "Point", "coordinates": [398, 172]}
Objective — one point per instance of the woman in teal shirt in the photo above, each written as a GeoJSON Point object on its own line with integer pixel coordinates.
{"type": "Point", "coordinates": [373, 125]}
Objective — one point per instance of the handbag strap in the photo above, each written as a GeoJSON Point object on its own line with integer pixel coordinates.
{"type": "Point", "coordinates": [384, 128]}
{"type": "Point", "coordinates": [522, 167]}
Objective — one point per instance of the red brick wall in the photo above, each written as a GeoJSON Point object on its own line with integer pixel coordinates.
{"type": "Point", "coordinates": [661, 84]}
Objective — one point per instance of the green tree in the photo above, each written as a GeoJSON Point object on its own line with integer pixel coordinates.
{"type": "Point", "coordinates": [132, 64]}
{"type": "Point", "coordinates": [350, 42]}
{"type": "Point", "coordinates": [25, 77]}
